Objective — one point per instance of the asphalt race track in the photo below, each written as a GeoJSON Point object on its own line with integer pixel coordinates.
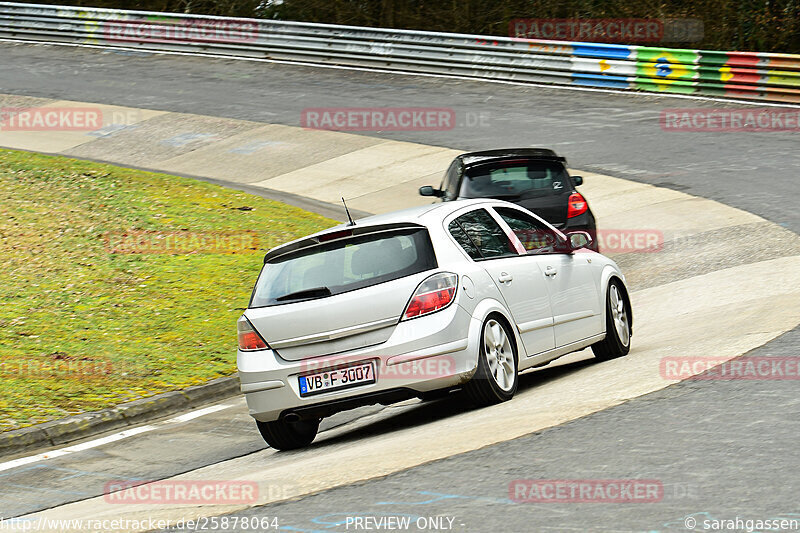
{"type": "Point", "coordinates": [723, 449]}
{"type": "Point", "coordinates": [614, 134]}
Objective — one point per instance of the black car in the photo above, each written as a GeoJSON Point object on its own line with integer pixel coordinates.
{"type": "Point", "coordinates": [535, 178]}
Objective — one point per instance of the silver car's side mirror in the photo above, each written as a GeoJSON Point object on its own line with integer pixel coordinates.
{"type": "Point", "coordinates": [579, 239]}
{"type": "Point", "coordinates": [427, 190]}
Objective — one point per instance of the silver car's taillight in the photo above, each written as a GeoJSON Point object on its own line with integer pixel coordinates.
{"type": "Point", "coordinates": [249, 339]}
{"type": "Point", "coordinates": [433, 294]}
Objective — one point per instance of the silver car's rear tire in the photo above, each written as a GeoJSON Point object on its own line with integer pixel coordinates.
{"type": "Point", "coordinates": [496, 378]}
{"type": "Point", "coordinates": [283, 435]}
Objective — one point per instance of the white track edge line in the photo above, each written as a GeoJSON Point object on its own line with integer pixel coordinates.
{"type": "Point", "coordinates": [44, 456]}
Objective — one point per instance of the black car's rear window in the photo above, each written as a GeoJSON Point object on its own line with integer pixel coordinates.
{"type": "Point", "coordinates": [344, 265]}
{"type": "Point", "coordinates": [515, 179]}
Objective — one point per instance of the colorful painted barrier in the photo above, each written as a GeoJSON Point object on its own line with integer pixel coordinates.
{"type": "Point", "coordinates": [744, 75]}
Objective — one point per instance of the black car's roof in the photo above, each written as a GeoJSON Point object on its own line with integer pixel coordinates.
{"type": "Point", "coordinates": [473, 158]}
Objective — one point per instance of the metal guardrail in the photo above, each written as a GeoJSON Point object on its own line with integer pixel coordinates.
{"type": "Point", "coordinates": [748, 75]}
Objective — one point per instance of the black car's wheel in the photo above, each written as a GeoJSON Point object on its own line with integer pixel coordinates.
{"type": "Point", "coordinates": [283, 435]}
{"type": "Point", "coordinates": [496, 378]}
{"type": "Point", "coordinates": [618, 325]}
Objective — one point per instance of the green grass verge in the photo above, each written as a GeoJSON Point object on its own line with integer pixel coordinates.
{"type": "Point", "coordinates": [82, 326]}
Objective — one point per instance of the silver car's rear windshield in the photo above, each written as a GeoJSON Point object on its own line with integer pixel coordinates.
{"type": "Point", "coordinates": [343, 265]}
{"type": "Point", "coordinates": [515, 179]}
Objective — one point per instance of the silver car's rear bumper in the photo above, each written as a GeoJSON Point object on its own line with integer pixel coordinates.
{"type": "Point", "coordinates": [423, 354]}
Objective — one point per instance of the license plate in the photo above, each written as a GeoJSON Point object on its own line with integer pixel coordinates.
{"type": "Point", "coordinates": [337, 379]}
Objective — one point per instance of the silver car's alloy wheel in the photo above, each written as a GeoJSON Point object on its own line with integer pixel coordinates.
{"type": "Point", "coordinates": [619, 321]}
{"type": "Point", "coordinates": [499, 355]}
{"type": "Point", "coordinates": [620, 315]}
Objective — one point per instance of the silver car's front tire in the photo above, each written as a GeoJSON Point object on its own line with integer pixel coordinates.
{"type": "Point", "coordinates": [618, 325]}
{"type": "Point", "coordinates": [496, 378]}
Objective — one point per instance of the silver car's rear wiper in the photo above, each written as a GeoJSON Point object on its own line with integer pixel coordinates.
{"type": "Point", "coordinates": [315, 292]}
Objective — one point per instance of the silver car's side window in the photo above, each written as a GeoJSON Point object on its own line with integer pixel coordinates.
{"type": "Point", "coordinates": [536, 237]}
{"type": "Point", "coordinates": [463, 240]}
{"type": "Point", "coordinates": [481, 236]}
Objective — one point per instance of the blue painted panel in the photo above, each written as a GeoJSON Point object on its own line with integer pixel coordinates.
{"type": "Point", "coordinates": [600, 80]}
{"type": "Point", "coordinates": [604, 51]}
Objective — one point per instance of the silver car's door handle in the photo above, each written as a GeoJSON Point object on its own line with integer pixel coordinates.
{"type": "Point", "coordinates": [550, 271]}
{"type": "Point", "coordinates": [505, 277]}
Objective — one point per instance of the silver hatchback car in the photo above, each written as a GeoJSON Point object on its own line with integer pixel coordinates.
{"type": "Point", "coordinates": [460, 295]}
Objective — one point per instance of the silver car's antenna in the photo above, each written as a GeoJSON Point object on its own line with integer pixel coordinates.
{"type": "Point", "coordinates": [348, 213]}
